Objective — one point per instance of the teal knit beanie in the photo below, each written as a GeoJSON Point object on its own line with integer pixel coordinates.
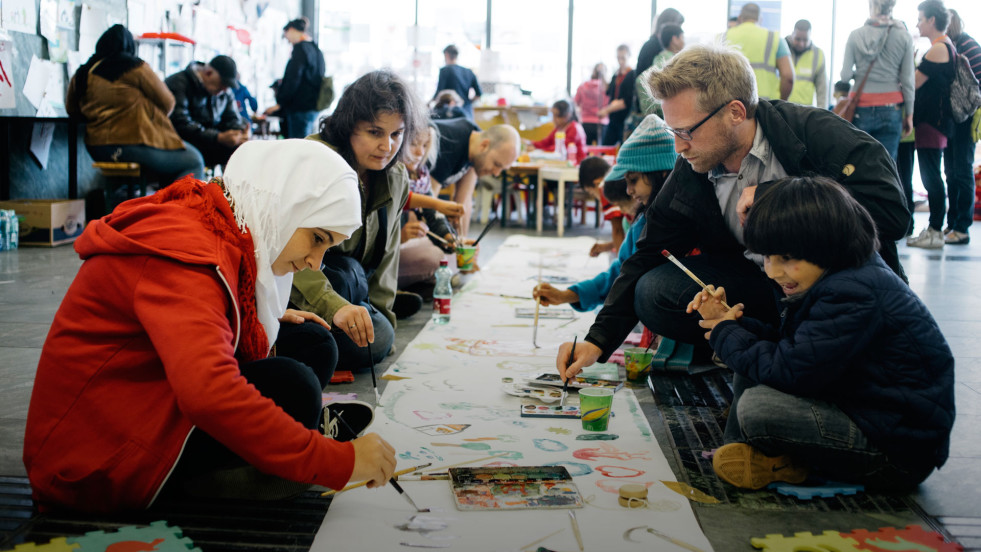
{"type": "Point", "coordinates": [650, 148]}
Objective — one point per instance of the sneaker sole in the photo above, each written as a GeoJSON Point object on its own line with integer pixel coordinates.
{"type": "Point", "coordinates": [747, 468]}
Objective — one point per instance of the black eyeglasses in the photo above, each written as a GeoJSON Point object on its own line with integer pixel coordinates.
{"type": "Point", "coordinates": [685, 133]}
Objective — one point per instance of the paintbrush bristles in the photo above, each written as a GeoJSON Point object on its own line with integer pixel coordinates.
{"type": "Point", "coordinates": [690, 274]}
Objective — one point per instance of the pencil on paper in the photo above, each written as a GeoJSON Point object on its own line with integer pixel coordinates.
{"type": "Point", "coordinates": [690, 274]}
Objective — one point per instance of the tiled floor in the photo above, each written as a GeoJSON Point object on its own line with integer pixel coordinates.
{"type": "Point", "coordinates": [33, 281]}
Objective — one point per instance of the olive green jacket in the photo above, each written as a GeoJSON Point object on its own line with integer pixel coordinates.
{"type": "Point", "coordinates": [312, 291]}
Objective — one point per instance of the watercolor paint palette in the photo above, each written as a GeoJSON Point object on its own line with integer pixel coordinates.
{"type": "Point", "coordinates": [545, 395]}
{"type": "Point", "coordinates": [551, 379]}
{"type": "Point", "coordinates": [514, 488]}
{"type": "Point", "coordinates": [569, 411]}
{"type": "Point", "coordinates": [549, 313]}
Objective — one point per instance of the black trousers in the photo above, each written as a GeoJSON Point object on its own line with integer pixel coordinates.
{"type": "Point", "coordinates": [294, 380]}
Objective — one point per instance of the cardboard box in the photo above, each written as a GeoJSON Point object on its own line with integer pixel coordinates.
{"type": "Point", "coordinates": [48, 222]}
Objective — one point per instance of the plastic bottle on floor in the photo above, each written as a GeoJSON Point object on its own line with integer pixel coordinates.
{"type": "Point", "coordinates": [442, 293]}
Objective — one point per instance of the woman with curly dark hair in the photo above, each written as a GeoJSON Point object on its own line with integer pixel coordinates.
{"type": "Point", "coordinates": [355, 291]}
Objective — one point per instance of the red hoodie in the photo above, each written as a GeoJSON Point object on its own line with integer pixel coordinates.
{"type": "Point", "coordinates": [146, 346]}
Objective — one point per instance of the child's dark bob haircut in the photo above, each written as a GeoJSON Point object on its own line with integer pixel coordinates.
{"type": "Point", "coordinates": [590, 169]}
{"type": "Point", "coordinates": [811, 219]}
{"type": "Point", "coordinates": [615, 190]}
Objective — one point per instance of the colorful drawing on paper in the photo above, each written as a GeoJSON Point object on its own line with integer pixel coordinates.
{"type": "Point", "coordinates": [514, 488]}
{"type": "Point", "coordinates": [442, 429]}
{"type": "Point", "coordinates": [487, 347]}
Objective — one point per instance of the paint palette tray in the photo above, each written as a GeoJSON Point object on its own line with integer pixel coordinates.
{"type": "Point", "coordinates": [551, 379]}
{"type": "Point", "coordinates": [524, 391]}
{"type": "Point", "coordinates": [531, 410]}
{"type": "Point", "coordinates": [514, 488]}
{"type": "Point", "coordinates": [548, 313]}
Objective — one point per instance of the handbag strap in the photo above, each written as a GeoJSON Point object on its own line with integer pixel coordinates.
{"type": "Point", "coordinates": [861, 87]}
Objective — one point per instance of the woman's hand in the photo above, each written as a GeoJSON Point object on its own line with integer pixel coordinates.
{"type": "Point", "coordinates": [451, 209]}
{"type": "Point", "coordinates": [414, 229]}
{"type": "Point", "coordinates": [374, 460]}
{"type": "Point", "coordinates": [551, 295]}
{"type": "Point", "coordinates": [294, 316]}
{"type": "Point", "coordinates": [355, 322]}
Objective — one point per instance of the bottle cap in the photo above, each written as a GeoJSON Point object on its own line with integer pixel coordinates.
{"type": "Point", "coordinates": [444, 262]}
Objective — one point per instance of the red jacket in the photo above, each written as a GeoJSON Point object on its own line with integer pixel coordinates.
{"type": "Point", "coordinates": [574, 134]}
{"type": "Point", "coordinates": [146, 346]}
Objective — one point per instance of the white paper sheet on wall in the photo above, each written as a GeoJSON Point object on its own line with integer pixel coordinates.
{"type": "Point", "coordinates": [8, 97]}
{"type": "Point", "coordinates": [36, 81]}
{"type": "Point", "coordinates": [446, 406]}
{"type": "Point", "coordinates": [41, 136]}
{"type": "Point", "coordinates": [94, 21]}
{"type": "Point", "coordinates": [19, 15]}
{"type": "Point", "coordinates": [49, 19]}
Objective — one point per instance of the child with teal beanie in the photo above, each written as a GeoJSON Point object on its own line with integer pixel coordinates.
{"type": "Point", "coordinates": [644, 162]}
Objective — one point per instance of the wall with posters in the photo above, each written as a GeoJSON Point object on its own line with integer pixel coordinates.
{"type": "Point", "coordinates": [42, 42]}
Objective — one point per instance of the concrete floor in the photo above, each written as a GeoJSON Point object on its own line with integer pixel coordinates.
{"type": "Point", "coordinates": [33, 282]}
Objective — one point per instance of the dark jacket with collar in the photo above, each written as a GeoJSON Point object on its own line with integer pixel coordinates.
{"type": "Point", "coordinates": [863, 341]}
{"type": "Point", "coordinates": [686, 213]}
{"type": "Point", "coordinates": [198, 116]}
{"type": "Point", "coordinates": [300, 87]}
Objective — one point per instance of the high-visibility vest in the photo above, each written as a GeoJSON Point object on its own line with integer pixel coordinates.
{"type": "Point", "coordinates": [760, 47]}
{"type": "Point", "coordinates": [808, 68]}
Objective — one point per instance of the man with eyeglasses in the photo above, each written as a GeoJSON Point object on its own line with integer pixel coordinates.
{"type": "Point", "coordinates": [730, 146]}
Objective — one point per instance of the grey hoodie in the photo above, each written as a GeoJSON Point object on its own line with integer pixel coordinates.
{"type": "Point", "coordinates": [893, 71]}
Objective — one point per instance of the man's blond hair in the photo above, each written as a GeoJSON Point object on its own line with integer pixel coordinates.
{"type": "Point", "coordinates": [718, 75]}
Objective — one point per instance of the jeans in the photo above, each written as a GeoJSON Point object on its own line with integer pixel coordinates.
{"type": "Point", "coordinates": [929, 159]}
{"type": "Point", "coordinates": [882, 122]}
{"type": "Point", "coordinates": [354, 358]}
{"type": "Point", "coordinates": [662, 295]}
{"type": "Point", "coordinates": [904, 164]}
{"type": "Point", "coordinates": [815, 433]}
{"type": "Point", "coordinates": [300, 124]}
{"type": "Point", "coordinates": [613, 134]}
{"type": "Point", "coordinates": [959, 168]}
{"type": "Point", "coordinates": [169, 164]}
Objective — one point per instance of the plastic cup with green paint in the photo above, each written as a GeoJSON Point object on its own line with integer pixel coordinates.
{"type": "Point", "coordinates": [465, 255]}
{"type": "Point", "coordinates": [595, 405]}
{"type": "Point", "coordinates": [637, 361]}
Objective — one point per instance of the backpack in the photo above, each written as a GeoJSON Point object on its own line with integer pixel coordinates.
{"type": "Point", "coordinates": [326, 96]}
{"type": "Point", "coordinates": [965, 96]}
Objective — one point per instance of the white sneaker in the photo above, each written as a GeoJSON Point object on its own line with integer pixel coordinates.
{"type": "Point", "coordinates": [957, 238]}
{"type": "Point", "coordinates": [928, 239]}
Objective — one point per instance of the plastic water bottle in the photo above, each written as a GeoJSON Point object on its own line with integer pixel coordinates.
{"type": "Point", "coordinates": [560, 145]}
{"type": "Point", "coordinates": [573, 155]}
{"type": "Point", "coordinates": [442, 294]}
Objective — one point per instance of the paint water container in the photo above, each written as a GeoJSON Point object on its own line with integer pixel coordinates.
{"type": "Point", "coordinates": [560, 151]}
{"type": "Point", "coordinates": [442, 293]}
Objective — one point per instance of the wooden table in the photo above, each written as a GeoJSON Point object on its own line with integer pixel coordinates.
{"type": "Point", "coordinates": [563, 175]}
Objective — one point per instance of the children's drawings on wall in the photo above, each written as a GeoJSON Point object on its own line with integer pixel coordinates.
{"type": "Point", "coordinates": [19, 15]}
{"type": "Point", "coordinates": [8, 99]}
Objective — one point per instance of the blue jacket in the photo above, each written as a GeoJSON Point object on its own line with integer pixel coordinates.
{"type": "Point", "coordinates": [862, 340]}
{"type": "Point", "coordinates": [593, 292]}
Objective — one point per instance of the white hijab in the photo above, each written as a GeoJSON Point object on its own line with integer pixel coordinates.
{"type": "Point", "coordinates": [280, 186]}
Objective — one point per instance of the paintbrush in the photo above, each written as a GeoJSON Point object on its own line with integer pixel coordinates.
{"type": "Point", "coordinates": [391, 480]}
{"type": "Point", "coordinates": [433, 235]}
{"type": "Point", "coordinates": [565, 384]}
{"type": "Point", "coordinates": [575, 530]}
{"type": "Point", "coordinates": [363, 483]}
{"type": "Point", "coordinates": [538, 305]}
{"type": "Point", "coordinates": [444, 476]}
{"type": "Point", "coordinates": [484, 231]}
{"type": "Point", "coordinates": [690, 274]}
{"type": "Point", "coordinates": [374, 382]}
{"type": "Point", "coordinates": [499, 455]}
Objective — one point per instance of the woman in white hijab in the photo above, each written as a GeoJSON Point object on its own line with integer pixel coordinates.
{"type": "Point", "coordinates": [156, 369]}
